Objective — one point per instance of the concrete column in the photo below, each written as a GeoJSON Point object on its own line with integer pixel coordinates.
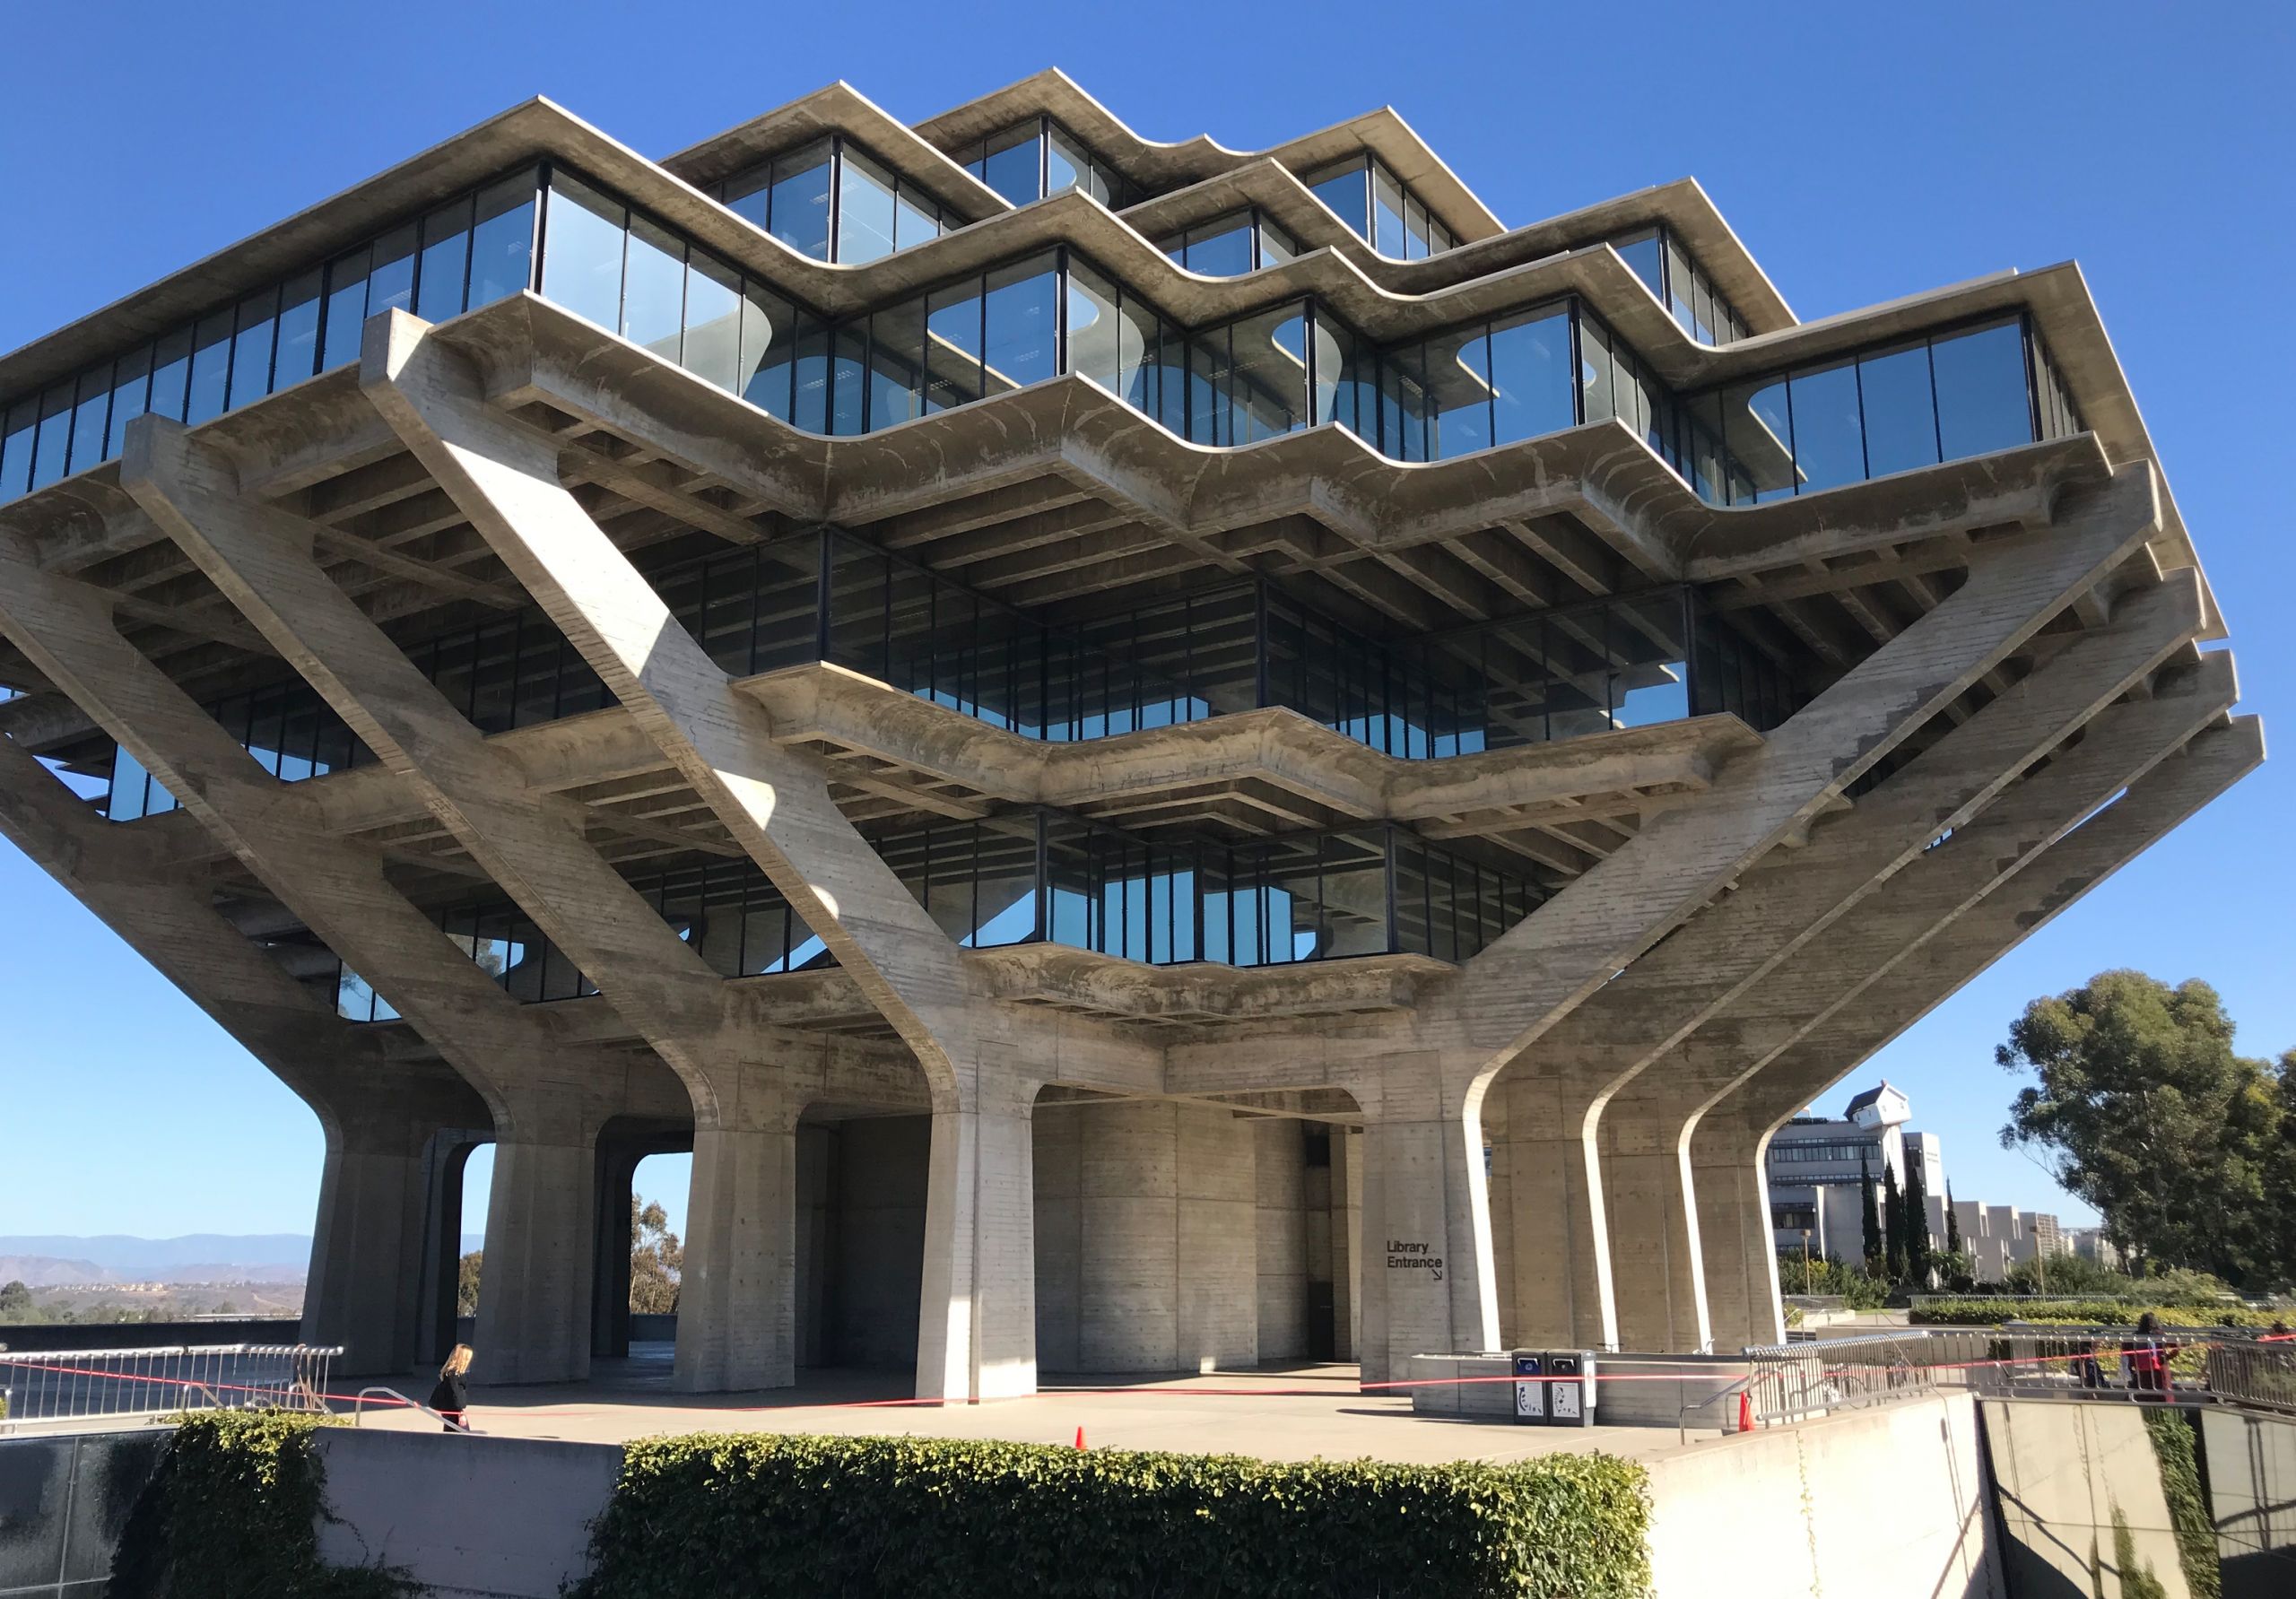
{"type": "Point", "coordinates": [1347, 1242]}
{"type": "Point", "coordinates": [1217, 1269]}
{"type": "Point", "coordinates": [976, 1331]}
{"type": "Point", "coordinates": [1425, 1276]}
{"type": "Point", "coordinates": [1737, 1255]}
{"type": "Point", "coordinates": [1056, 1160]}
{"type": "Point", "coordinates": [1279, 1167]}
{"type": "Point", "coordinates": [368, 1245]}
{"type": "Point", "coordinates": [737, 1299]}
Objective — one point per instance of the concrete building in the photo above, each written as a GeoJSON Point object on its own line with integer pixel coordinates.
{"type": "Point", "coordinates": [1818, 1166]}
{"type": "Point", "coordinates": [1155, 755]}
{"type": "Point", "coordinates": [1997, 1237]}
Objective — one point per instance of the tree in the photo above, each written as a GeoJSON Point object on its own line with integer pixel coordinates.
{"type": "Point", "coordinates": [1916, 1222]}
{"type": "Point", "coordinates": [1892, 1223]}
{"type": "Point", "coordinates": [2142, 1110]}
{"type": "Point", "coordinates": [656, 1260]}
{"type": "Point", "coordinates": [466, 1283]}
{"type": "Point", "coordinates": [15, 1302]}
{"type": "Point", "coordinates": [1867, 1215]}
{"type": "Point", "coordinates": [1952, 1221]}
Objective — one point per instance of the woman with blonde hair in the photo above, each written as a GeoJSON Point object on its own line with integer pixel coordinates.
{"type": "Point", "coordinates": [451, 1397]}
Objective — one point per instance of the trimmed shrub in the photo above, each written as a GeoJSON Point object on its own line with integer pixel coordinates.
{"type": "Point", "coordinates": [1981, 1312]}
{"type": "Point", "coordinates": [864, 1517]}
{"type": "Point", "coordinates": [232, 1513]}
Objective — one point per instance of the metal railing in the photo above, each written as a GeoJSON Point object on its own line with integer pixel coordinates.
{"type": "Point", "coordinates": [2226, 1365]}
{"type": "Point", "coordinates": [67, 1385]}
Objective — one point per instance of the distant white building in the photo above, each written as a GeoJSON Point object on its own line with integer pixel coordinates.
{"type": "Point", "coordinates": [1997, 1237]}
{"type": "Point", "coordinates": [1816, 1163]}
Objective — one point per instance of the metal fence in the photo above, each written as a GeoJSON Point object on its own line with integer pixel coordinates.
{"type": "Point", "coordinates": [63, 1385]}
{"type": "Point", "coordinates": [2227, 1365]}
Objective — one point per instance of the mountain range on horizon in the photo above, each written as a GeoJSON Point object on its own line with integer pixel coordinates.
{"type": "Point", "coordinates": [128, 1259]}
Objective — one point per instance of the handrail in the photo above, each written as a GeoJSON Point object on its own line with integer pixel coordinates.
{"type": "Point", "coordinates": [358, 1405]}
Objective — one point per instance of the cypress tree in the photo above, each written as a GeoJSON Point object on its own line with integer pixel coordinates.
{"type": "Point", "coordinates": [1868, 1214]}
{"type": "Point", "coordinates": [1952, 1221]}
{"type": "Point", "coordinates": [1892, 1223]}
{"type": "Point", "coordinates": [1917, 1243]}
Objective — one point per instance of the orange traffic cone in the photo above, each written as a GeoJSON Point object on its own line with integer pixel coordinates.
{"type": "Point", "coordinates": [1745, 1412]}
{"type": "Point", "coordinates": [1080, 1438]}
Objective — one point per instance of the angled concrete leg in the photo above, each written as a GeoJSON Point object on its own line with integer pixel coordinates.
{"type": "Point", "coordinates": [1425, 1277]}
{"type": "Point", "coordinates": [364, 1288]}
{"type": "Point", "coordinates": [1555, 1225]}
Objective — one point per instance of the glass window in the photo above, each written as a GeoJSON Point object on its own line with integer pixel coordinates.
{"type": "Point", "coordinates": [801, 185]}
{"type": "Point", "coordinates": [1678, 276]}
{"type": "Point", "coordinates": [130, 394]}
{"type": "Point", "coordinates": [1981, 398]}
{"type": "Point", "coordinates": [1530, 375]}
{"type": "Point", "coordinates": [1021, 328]}
{"type": "Point", "coordinates": [1458, 394]}
{"type": "Point", "coordinates": [1403, 402]}
{"type": "Point", "coordinates": [52, 456]}
{"type": "Point", "coordinates": [1347, 390]}
{"type": "Point", "coordinates": [1597, 391]}
{"type": "Point", "coordinates": [947, 347]}
{"type": "Point", "coordinates": [653, 297]}
{"type": "Point", "coordinates": [1067, 166]}
{"type": "Point", "coordinates": [297, 354]}
{"type": "Point", "coordinates": [1759, 431]}
{"type": "Point", "coordinates": [1276, 245]}
{"type": "Point", "coordinates": [446, 263]}
{"type": "Point", "coordinates": [502, 241]}
{"type": "Point", "coordinates": [916, 220]}
{"type": "Point", "coordinates": [1646, 256]}
{"type": "Point", "coordinates": [864, 210]}
{"type": "Point", "coordinates": [1011, 163]}
{"type": "Point", "coordinates": [750, 196]}
{"type": "Point", "coordinates": [1414, 229]}
{"type": "Point", "coordinates": [171, 366]}
{"type": "Point", "coordinates": [769, 347]}
{"type": "Point", "coordinates": [1342, 189]}
{"type": "Point", "coordinates": [346, 308]}
{"type": "Point", "coordinates": [897, 359]}
{"type": "Point", "coordinates": [1221, 248]}
{"type": "Point", "coordinates": [848, 355]}
{"type": "Point", "coordinates": [17, 433]}
{"type": "Point", "coordinates": [210, 369]}
{"type": "Point", "coordinates": [1900, 418]}
{"type": "Point", "coordinates": [390, 281]}
{"type": "Point", "coordinates": [1095, 333]}
{"type": "Point", "coordinates": [581, 268]}
{"type": "Point", "coordinates": [713, 322]}
{"type": "Point", "coordinates": [89, 416]}
{"type": "Point", "coordinates": [252, 347]}
{"type": "Point", "coordinates": [1262, 390]}
{"type": "Point", "coordinates": [1386, 213]}
{"type": "Point", "coordinates": [810, 390]}
{"type": "Point", "coordinates": [1829, 437]}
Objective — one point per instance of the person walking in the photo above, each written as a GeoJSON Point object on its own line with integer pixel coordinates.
{"type": "Point", "coordinates": [2148, 1360]}
{"type": "Point", "coordinates": [451, 1397]}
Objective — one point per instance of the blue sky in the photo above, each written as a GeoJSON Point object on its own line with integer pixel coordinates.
{"type": "Point", "coordinates": [1862, 153]}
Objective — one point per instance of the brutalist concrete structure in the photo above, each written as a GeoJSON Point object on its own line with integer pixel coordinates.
{"type": "Point", "coordinates": [1155, 755]}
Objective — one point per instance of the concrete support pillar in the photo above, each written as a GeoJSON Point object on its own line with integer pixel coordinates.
{"type": "Point", "coordinates": [737, 1299]}
{"type": "Point", "coordinates": [1553, 1225]}
{"type": "Point", "coordinates": [370, 1248]}
{"type": "Point", "coordinates": [534, 1288]}
{"type": "Point", "coordinates": [976, 1329]}
{"type": "Point", "coordinates": [1425, 1278]}
{"type": "Point", "coordinates": [1347, 1227]}
{"type": "Point", "coordinates": [1280, 1231]}
{"type": "Point", "coordinates": [1736, 1255]}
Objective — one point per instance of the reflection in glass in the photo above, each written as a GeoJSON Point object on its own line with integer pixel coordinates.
{"type": "Point", "coordinates": [1983, 401]}
{"type": "Point", "coordinates": [1900, 413]}
{"type": "Point", "coordinates": [581, 268]}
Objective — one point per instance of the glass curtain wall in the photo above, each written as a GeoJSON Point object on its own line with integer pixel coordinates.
{"type": "Point", "coordinates": [834, 201]}
{"type": "Point", "coordinates": [1038, 158]}
{"type": "Point", "coordinates": [469, 252]}
{"type": "Point", "coordinates": [1380, 207]}
{"type": "Point", "coordinates": [1681, 285]}
{"type": "Point", "coordinates": [1229, 245]}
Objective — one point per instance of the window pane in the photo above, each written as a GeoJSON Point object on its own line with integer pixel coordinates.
{"type": "Point", "coordinates": [864, 210]}
{"type": "Point", "coordinates": [346, 309]}
{"type": "Point", "coordinates": [1901, 423]}
{"type": "Point", "coordinates": [769, 344]}
{"type": "Point", "coordinates": [1012, 166]}
{"type": "Point", "coordinates": [171, 366]}
{"type": "Point", "coordinates": [298, 332]}
{"type": "Point", "coordinates": [131, 388]}
{"type": "Point", "coordinates": [801, 200]}
{"type": "Point", "coordinates": [917, 219]}
{"type": "Point", "coordinates": [1598, 396]}
{"type": "Point", "coordinates": [52, 454]}
{"type": "Point", "coordinates": [1643, 253]}
{"type": "Point", "coordinates": [1095, 344]}
{"type": "Point", "coordinates": [446, 263]}
{"type": "Point", "coordinates": [210, 369]}
{"type": "Point", "coordinates": [750, 194]}
{"type": "Point", "coordinates": [390, 281]}
{"type": "Point", "coordinates": [503, 243]}
{"type": "Point", "coordinates": [810, 406]}
{"type": "Point", "coordinates": [252, 347]}
{"type": "Point", "coordinates": [1403, 404]}
{"type": "Point", "coordinates": [1343, 191]}
{"type": "Point", "coordinates": [1414, 229]}
{"type": "Point", "coordinates": [1458, 394]}
{"type": "Point", "coordinates": [1678, 278]}
{"type": "Point", "coordinates": [713, 322]}
{"type": "Point", "coordinates": [1276, 245]}
{"type": "Point", "coordinates": [897, 361]}
{"type": "Point", "coordinates": [581, 262]}
{"type": "Point", "coordinates": [1068, 165]}
{"type": "Point", "coordinates": [1267, 380]}
{"type": "Point", "coordinates": [89, 416]}
{"type": "Point", "coordinates": [1829, 441]}
{"type": "Point", "coordinates": [847, 395]}
{"type": "Point", "coordinates": [1981, 404]}
{"type": "Point", "coordinates": [653, 300]}
{"type": "Point", "coordinates": [1386, 213]}
{"type": "Point", "coordinates": [948, 348]}
{"type": "Point", "coordinates": [1530, 375]}
{"type": "Point", "coordinates": [1022, 335]}
{"type": "Point", "coordinates": [1759, 435]}
{"type": "Point", "coordinates": [1223, 247]}
{"type": "Point", "coordinates": [16, 437]}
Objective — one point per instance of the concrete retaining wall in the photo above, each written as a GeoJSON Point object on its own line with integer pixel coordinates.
{"type": "Point", "coordinates": [148, 1335]}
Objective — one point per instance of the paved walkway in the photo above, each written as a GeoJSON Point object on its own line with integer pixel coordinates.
{"type": "Point", "coordinates": [1261, 1413]}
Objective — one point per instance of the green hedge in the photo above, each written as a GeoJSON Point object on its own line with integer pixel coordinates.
{"type": "Point", "coordinates": [1981, 1312]}
{"type": "Point", "coordinates": [232, 1513]}
{"type": "Point", "coordinates": [698, 1517]}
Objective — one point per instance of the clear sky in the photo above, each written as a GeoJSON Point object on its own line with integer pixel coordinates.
{"type": "Point", "coordinates": [1862, 153]}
